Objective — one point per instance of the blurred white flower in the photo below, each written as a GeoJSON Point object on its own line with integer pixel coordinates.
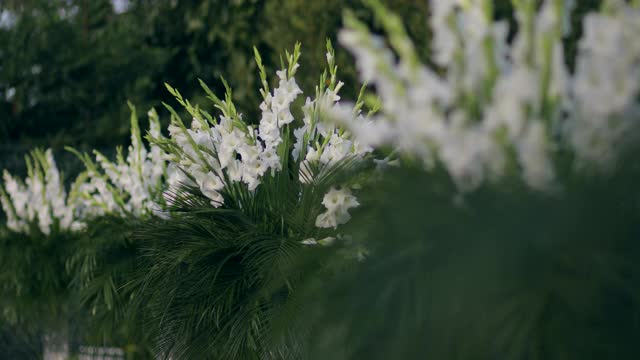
{"type": "Point", "coordinates": [492, 96]}
{"type": "Point", "coordinates": [120, 6]}
{"type": "Point", "coordinates": [7, 19]}
{"type": "Point", "coordinates": [337, 202]}
{"type": "Point", "coordinates": [131, 185]}
{"type": "Point", "coordinates": [41, 200]}
{"type": "Point", "coordinates": [9, 94]}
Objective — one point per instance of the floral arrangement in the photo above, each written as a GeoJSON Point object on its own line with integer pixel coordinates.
{"type": "Point", "coordinates": [218, 155]}
{"type": "Point", "coordinates": [247, 199]}
{"type": "Point", "coordinates": [58, 248]}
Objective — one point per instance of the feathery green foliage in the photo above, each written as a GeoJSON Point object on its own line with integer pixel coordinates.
{"type": "Point", "coordinates": [103, 261]}
{"type": "Point", "coordinates": [33, 282]}
{"type": "Point", "coordinates": [216, 279]}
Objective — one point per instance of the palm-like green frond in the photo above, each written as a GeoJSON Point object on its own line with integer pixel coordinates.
{"type": "Point", "coordinates": [203, 288]}
{"type": "Point", "coordinates": [101, 264]}
{"type": "Point", "coordinates": [216, 279]}
{"type": "Point", "coordinates": [33, 281]}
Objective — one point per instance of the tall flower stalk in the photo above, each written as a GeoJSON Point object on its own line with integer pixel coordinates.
{"type": "Point", "coordinates": [40, 203]}
{"type": "Point", "coordinates": [130, 186]}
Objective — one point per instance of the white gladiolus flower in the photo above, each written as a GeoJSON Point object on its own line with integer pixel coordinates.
{"type": "Point", "coordinates": [605, 85]}
{"type": "Point", "coordinates": [337, 202]}
{"type": "Point", "coordinates": [220, 153]}
{"type": "Point", "coordinates": [131, 186]}
{"type": "Point", "coordinates": [209, 184]}
{"type": "Point", "coordinates": [241, 153]}
{"type": "Point", "coordinates": [493, 96]}
{"type": "Point", "coordinates": [533, 156]}
{"type": "Point", "coordinates": [309, 241]}
{"type": "Point", "coordinates": [41, 200]}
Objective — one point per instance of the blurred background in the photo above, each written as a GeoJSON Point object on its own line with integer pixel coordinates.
{"type": "Point", "coordinates": [68, 67]}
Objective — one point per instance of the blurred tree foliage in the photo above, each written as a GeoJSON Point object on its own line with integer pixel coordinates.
{"type": "Point", "coordinates": [67, 67]}
{"type": "Point", "coordinates": [311, 22]}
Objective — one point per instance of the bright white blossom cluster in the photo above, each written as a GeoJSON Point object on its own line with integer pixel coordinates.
{"type": "Point", "coordinates": [607, 82]}
{"type": "Point", "coordinates": [489, 103]}
{"type": "Point", "coordinates": [337, 202]}
{"type": "Point", "coordinates": [214, 155]}
{"type": "Point", "coordinates": [131, 186]}
{"type": "Point", "coordinates": [211, 155]}
{"type": "Point", "coordinates": [320, 142]}
{"type": "Point", "coordinates": [40, 200]}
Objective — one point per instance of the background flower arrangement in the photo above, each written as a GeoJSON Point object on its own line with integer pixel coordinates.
{"type": "Point", "coordinates": [41, 219]}
{"type": "Point", "coordinates": [497, 204]}
{"type": "Point", "coordinates": [72, 250]}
